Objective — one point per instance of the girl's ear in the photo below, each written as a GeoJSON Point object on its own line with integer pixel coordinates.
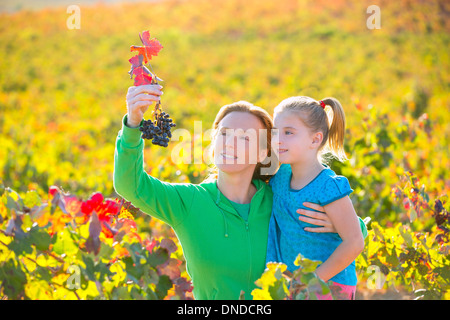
{"type": "Point", "coordinates": [316, 140]}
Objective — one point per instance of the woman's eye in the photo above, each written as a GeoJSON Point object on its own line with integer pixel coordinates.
{"type": "Point", "coordinates": [288, 133]}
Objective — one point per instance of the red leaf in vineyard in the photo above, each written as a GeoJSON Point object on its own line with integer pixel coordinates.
{"type": "Point", "coordinates": [136, 61]}
{"type": "Point", "coordinates": [97, 199]}
{"type": "Point", "coordinates": [52, 191]}
{"type": "Point", "coordinates": [73, 205]}
{"type": "Point", "coordinates": [439, 238]}
{"type": "Point", "coordinates": [58, 221]}
{"type": "Point", "coordinates": [169, 245]}
{"type": "Point", "coordinates": [129, 208]}
{"type": "Point", "coordinates": [142, 70]}
{"type": "Point", "coordinates": [104, 208]}
{"type": "Point", "coordinates": [171, 268]}
{"type": "Point", "coordinates": [86, 207]}
{"type": "Point", "coordinates": [406, 203]}
{"type": "Point", "coordinates": [141, 73]}
{"type": "Point", "coordinates": [182, 286]}
{"type": "Point", "coordinates": [126, 226]}
{"type": "Point", "coordinates": [107, 230]}
{"type": "Point", "coordinates": [151, 46]}
{"type": "Point", "coordinates": [150, 245]}
{"type": "Point", "coordinates": [108, 209]}
{"type": "Point", "coordinates": [142, 79]}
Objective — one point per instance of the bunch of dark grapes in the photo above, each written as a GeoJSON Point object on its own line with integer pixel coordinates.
{"type": "Point", "coordinates": [159, 129]}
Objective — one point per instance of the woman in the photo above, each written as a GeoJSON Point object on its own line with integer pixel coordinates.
{"type": "Point", "coordinates": [222, 223]}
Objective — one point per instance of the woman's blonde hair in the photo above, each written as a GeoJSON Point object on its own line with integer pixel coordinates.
{"type": "Point", "coordinates": [314, 115]}
{"type": "Point", "coordinates": [266, 120]}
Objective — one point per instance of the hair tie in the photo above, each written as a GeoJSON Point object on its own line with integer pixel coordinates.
{"type": "Point", "coordinates": [322, 104]}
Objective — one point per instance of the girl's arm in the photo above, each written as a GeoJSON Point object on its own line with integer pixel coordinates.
{"type": "Point", "coordinates": [346, 222]}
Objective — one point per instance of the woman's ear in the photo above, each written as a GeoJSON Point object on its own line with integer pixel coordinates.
{"type": "Point", "coordinates": [263, 154]}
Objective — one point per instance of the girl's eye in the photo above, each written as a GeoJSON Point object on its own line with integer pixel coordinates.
{"type": "Point", "coordinates": [288, 133]}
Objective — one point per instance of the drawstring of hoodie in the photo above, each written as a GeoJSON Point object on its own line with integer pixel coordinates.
{"type": "Point", "coordinates": [223, 215]}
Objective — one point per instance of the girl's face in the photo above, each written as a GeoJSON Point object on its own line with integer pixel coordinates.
{"type": "Point", "coordinates": [292, 141]}
{"type": "Point", "coordinates": [236, 145]}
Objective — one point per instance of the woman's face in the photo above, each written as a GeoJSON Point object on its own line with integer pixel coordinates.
{"type": "Point", "coordinates": [237, 142]}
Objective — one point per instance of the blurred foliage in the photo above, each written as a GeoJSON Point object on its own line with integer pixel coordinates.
{"type": "Point", "coordinates": [64, 247]}
{"type": "Point", "coordinates": [62, 92]}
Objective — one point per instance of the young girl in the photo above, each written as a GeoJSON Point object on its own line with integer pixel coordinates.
{"type": "Point", "coordinates": [302, 135]}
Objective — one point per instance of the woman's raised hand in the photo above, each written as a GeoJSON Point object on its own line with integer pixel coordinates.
{"type": "Point", "coordinates": [316, 218]}
{"type": "Point", "coordinates": [139, 99]}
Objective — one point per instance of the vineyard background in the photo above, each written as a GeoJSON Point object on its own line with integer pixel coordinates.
{"type": "Point", "coordinates": [62, 99]}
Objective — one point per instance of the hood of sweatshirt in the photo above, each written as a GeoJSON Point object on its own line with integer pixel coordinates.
{"type": "Point", "coordinates": [224, 204]}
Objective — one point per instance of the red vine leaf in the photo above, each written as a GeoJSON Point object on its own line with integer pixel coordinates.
{"type": "Point", "coordinates": [169, 245]}
{"type": "Point", "coordinates": [141, 73]}
{"type": "Point", "coordinates": [170, 268]}
{"type": "Point", "coordinates": [150, 47]}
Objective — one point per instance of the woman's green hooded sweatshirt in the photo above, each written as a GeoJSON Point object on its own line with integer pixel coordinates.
{"type": "Point", "coordinates": [224, 253]}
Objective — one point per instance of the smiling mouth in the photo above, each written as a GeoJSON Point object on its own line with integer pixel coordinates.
{"type": "Point", "coordinates": [280, 151]}
{"type": "Point", "coordinates": [226, 156]}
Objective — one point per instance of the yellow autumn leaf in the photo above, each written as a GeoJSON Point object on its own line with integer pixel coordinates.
{"type": "Point", "coordinates": [38, 290]}
{"type": "Point", "coordinates": [267, 279]}
{"type": "Point", "coordinates": [260, 294]}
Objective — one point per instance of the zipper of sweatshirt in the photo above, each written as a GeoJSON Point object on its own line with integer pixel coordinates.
{"type": "Point", "coordinates": [247, 229]}
{"type": "Point", "coordinates": [249, 253]}
{"type": "Point", "coordinates": [250, 216]}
